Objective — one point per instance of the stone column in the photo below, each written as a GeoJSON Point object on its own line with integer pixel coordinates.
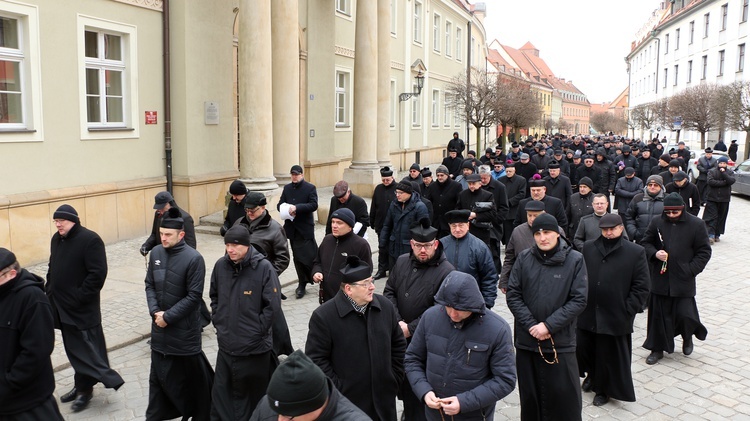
{"type": "Point", "coordinates": [285, 65]}
{"type": "Point", "coordinates": [363, 173]}
{"type": "Point", "coordinates": [384, 83]}
{"type": "Point", "coordinates": [256, 117]}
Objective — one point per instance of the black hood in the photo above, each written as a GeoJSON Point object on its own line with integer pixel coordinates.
{"type": "Point", "coordinates": [461, 292]}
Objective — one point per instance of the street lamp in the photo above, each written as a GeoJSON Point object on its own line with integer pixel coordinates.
{"type": "Point", "coordinates": [420, 85]}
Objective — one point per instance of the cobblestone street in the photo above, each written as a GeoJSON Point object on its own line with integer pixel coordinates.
{"type": "Point", "coordinates": [712, 383]}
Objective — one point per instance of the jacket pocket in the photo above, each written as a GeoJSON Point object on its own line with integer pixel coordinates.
{"type": "Point", "coordinates": [477, 354]}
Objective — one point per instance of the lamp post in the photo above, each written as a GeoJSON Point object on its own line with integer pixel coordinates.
{"type": "Point", "coordinates": [420, 84]}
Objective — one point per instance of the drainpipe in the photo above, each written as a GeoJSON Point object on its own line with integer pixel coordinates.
{"type": "Point", "coordinates": [468, 78]}
{"type": "Point", "coordinates": [167, 94]}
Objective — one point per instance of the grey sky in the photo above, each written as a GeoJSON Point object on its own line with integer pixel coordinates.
{"type": "Point", "coordinates": [581, 40]}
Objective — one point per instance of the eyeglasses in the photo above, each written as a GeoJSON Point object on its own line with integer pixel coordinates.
{"type": "Point", "coordinates": [420, 246]}
{"type": "Point", "coordinates": [672, 212]}
{"type": "Point", "coordinates": [253, 210]}
{"type": "Point", "coordinates": [366, 284]}
{"type": "Point", "coordinates": [653, 185]}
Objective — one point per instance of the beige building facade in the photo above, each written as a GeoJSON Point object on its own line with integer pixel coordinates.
{"type": "Point", "coordinates": [84, 119]}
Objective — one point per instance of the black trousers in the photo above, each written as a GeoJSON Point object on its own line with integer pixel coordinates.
{"type": "Point", "coordinates": [240, 383]}
{"type": "Point", "coordinates": [715, 217]}
{"type": "Point", "coordinates": [304, 252]}
{"type": "Point", "coordinates": [47, 411]}
{"type": "Point", "coordinates": [87, 353]}
{"type": "Point", "coordinates": [548, 391]}
{"type": "Point", "coordinates": [179, 386]}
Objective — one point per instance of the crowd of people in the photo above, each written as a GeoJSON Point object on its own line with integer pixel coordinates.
{"type": "Point", "coordinates": [578, 234]}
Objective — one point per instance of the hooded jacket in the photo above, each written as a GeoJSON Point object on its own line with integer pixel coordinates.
{"type": "Point", "coordinates": [549, 287]}
{"type": "Point", "coordinates": [642, 209]}
{"type": "Point", "coordinates": [472, 359]}
{"type": "Point", "coordinates": [27, 338]}
{"type": "Point", "coordinates": [245, 297]}
{"type": "Point", "coordinates": [174, 284]}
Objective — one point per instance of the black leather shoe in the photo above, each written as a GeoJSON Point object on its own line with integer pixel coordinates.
{"type": "Point", "coordinates": [379, 275]}
{"type": "Point", "coordinates": [654, 356]}
{"type": "Point", "coordinates": [68, 397]}
{"type": "Point", "coordinates": [586, 385]}
{"type": "Point", "coordinates": [600, 399]}
{"type": "Point", "coordinates": [81, 402]}
{"type": "Point", "coordinates": [687, 345]}
{"type": "Point", "coordinates": [300, 292]}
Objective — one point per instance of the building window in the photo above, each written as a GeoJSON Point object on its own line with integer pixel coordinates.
{"type": "Point", "coordinates": [690, 71]}
{"type": "Point", "coordinates": [435, 108]}
{"type": "Point", "coordinates": [473, 52]}
{"type": "Point", "coordinates": [676, 72]}
{"type": "Point", "coordinates": [744, 10]}
{"type": "Point", "coordinates": [666, 43]}
{"type": "Point", "coordinates": [457, 114]}
{"type": "Point", "coordinates": [724, 11]}
{"type": "Point", "coordinates": [418, 22]}
{"type": "Point", "coordinates": [721, 63]}
{"type": "Point", "coordinates": [394, 19]}
{"type": "Point", "coordinates": [416, 106]}
{"type": "Point", "coordinates": [12, 66]}
{"type": "Point", "coordinates": [394, 99]}
{"type": "Point", "coordinates": [741, 57]}
{"type": "Point", "coordinates": [342, 99]}
{"type": "Point", "coordinates": [436, 33]}
{"type": "Point", "coordinates": [344, 7]}
{"type": "Point", "coordinates": [448, 38]}
{"type": "Point", "coordinates": [677, 39]}
{"type": "Point", "coordinates": [447, 108]}
{"type": "Point", "coordinates": [691, 32]}
{"type": "Point", "coordinates": [458, 44]}
{"type": "Point", "coordinates": [105, 79]}
{"type": "Point", "coordinates": [704, 67]}
{"type": "Point", "coordinates": [665, 78]}
{"type": "Point", "coordinates": [706, 20]}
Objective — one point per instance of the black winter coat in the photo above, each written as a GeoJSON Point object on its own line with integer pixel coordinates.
{"type": "Point", "coordinates": [235, 211]}
{"type": "Point", "coordinates": [559, 187]}
{"type": "Point", "coordinates": [472, 360]}
{"type": "Point", "coordinates": [304, 196]}
{"type": "Point", "coordinates": [268, 235]}
{"type": "Point", "coordinates": [357, 205]}
{"type": "Point", "coordinates": [690, 196]}
{"type": "Point", "coordinates": [641, 211]}
{"type": "Point", "coordinates": [625, 190]}
{"type": "Point", "coordinates": [482, 225]}
{"type": "Point", "coordinates": [331, 257]}
{"type": "Point", "coordinates": [453, 165]}
{"type": "Point", "coordinates": [608, 176]}
{"type": "Point", "coordinates": [76, 274]}
{"type": "Point", "coordinates": [618, 286]}
{"type": "Point", "coordinates": [382, 197]}
{"type": "Point", "coordinates": [593, 172]}
{"type": "Point", "coordinates": [686, 241]}
{"type": "Point", "coordinates": [338, 408]}
{"type": "Point", "coordinates": [174, 285]}
{"type": "Point", "coordinates": [515, 189]}
{"type": "Point", "coordinates": [395, 234]}
{"type": "Point", "coordinates": [550, 288]}
{"type": "Point", "coordinates": [412, 285]}
{"type": "Point", "coordinates": [245, 298]}
{"type": "Point", "coordinates": [369, 377]}
{"type": "Point", "coordinates": [720, 185]}
{"type": "Point", "coordinates": [578, 207]}
{"type": "Point", "coordinates": [154, 240]}
{"type": "Point", "coordinates": [552, 206]}
{"type": "Point", "coordinates": [643, 171]}
{"type": "Point", "coordinates": [444, 197]}
{"type": "Point", "coordinates": [27, 338]}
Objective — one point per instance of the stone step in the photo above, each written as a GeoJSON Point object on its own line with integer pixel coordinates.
{"type": "Point", "coordinates": [208, 229]}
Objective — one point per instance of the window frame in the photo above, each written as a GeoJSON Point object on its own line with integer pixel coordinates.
{"type": "Point", "coordinates": [722, 58]}
{"type": "Point", "coordinates": [744, 11]}
{"type": "Point", "coordinates": [691, 31]}
{"type": "Point", "coordinates": [130, 127]}
{"type": "Point", "coordinates": [677, 39]}
{"type": "Point", "coordinates": [346, 10]}
{"type": "Point", "coordinates": [448, 38]}
{"type": "Point", "coordinates": [704, 67]}
{"type": "Point", "coordinates": [706, 22]}
{"type": "Point", "coordinates": [690, 71]}
{"type": "Point", "coordinates": [666, 44]}
{"type": "Point", "coordinates": [435, 108]}
{"type": "Point", "coordinates": [724, 16]}
{"type": "Point", "coordinates": [436, 32]}
{"type": "Point", "coordinates": [342, 103]}
{"type": "Point", "coordinates": [741, 58]}
{"type": "Point", "coordinates": [417, 29]}
{"type": "Point", "coordinates": [447, 103]}
{"type": "Point", "coordinates": [666, 76]}
{"type": "Point", "coordinates": [459, 49]}
{"type": "Point", "coordinates": [676, 73]}
{"type": "Point", "coordinates": [416, 108]}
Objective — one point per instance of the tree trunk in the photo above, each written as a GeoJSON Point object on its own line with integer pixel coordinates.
{"type": "Point", "coordinates": [746, 152]}
{"type": "Point", "coordinates": [503, 136]}
{"type": "Point", "coordinates": [479, 150]}
{"type": "Point", "coordinates": [678, 135]}
{"type": "Point", "coordinates": [703, 140]}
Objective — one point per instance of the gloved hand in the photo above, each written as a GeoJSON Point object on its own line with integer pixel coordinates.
{"type": "Point", "coordinates": [143, 251]}
{"type": "Point", "coordinates": [222, 231]}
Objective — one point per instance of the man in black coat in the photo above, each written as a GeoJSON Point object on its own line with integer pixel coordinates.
{"type": "Point", "coordinates": [403, 212]}
{"type": "Point", "coordinates": [552, 205]}
{"type": "Point", "coordinates": [687, 190]}
{"type": "Point", "coordinates": [515, 190]}
{"type": "Point", "coordinates": [382, 197]}
{"type": "Point", "coordinates": [301, 198]}
{"type": "Point", "coordinates": [163, 201]}
{"type": "Point", "coordinates": [733, 150]}
{"type": "Point", "coordinates": [678, 250]}
{"type": "Point", "coordinates": [557, 184]}
{"type": "Point", "coordinates": [245, 360]}
{"type": "Point", "coordinates": [76, 274]}
{"type": "Point", "coordinates": [457, 144]}
{"type": "Point", "coordinates": [344, 198]}
{"type": "Point", "coordinates": [411, 288]}
{"type": "Point", "coordinates": [618, 287]}
{"type": "Point", "coordinates": [720, 180]}
{"type": "Point", "coordinates": [332, 253]}
{"type": "Point", "coordinates": [453, 163]}
{"type": "Point", "coordinates": [26, 342]}
{"type": "Point", "coordinates": [181, 377]}
{"type": "Point", "coordinates": [481, 203]}
{"type": "Point", "coordinates": [588, 169]}
{"type": "Point", "coordinates": [501, 212]}
{"type": "Point", "coordinates": [444, 195]}
{"type": "Point", "coordinates": [607, 172]}
{"type": "Point", "coordinates": [235, 207]}
{"type": "Point", "coordinates": [357, 342]}
{"type": "Point", "coordinates": [525, 168]}
{"type": "Point", "coordinates": [645, 164]}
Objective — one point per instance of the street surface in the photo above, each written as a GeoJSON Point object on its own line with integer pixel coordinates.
{"type": "Point", "coordinates": [713, 383]}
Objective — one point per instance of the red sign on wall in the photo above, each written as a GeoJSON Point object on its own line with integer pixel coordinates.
{"type": "Point", "coordinates": [150, 117]}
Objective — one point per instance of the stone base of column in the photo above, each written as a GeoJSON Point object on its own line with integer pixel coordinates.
{"type": "Point", "coordinates": [386, 163]}
{"type": "Point", "coordinates": [362, 181]}
{"type": "Point", "coordinates": [260, 183]}
{"type": "Point", "coordinates": [283, 179]}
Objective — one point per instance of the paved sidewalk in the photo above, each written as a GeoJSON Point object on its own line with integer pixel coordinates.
{"type": "Point", "coordinates": [712, 383]}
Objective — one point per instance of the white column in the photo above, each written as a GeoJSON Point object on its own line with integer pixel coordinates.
{"type": "Point", "coordinates": [384, 83]}
{"type": "Point", "coordinates": [255, 114]}
{"type": "Point", "coordinates": [285, 66]}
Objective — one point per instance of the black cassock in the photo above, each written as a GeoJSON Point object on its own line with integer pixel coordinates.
{"type": "Point", "coordinates": [179, 386]}
{"type": "Point", "coordinates": [606, 358]}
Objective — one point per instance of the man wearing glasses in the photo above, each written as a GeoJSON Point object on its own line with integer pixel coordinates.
{"type": "Point", "coordinates": [356, 340]}
{"type": "Point", "coordinates": [412, 286]}
{"type": "Point", "coordinates": [547, 291]}
{"type": "Point", "coordinates": [677, 249]}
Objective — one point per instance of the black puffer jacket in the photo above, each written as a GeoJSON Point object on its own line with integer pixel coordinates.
{"type": "Point", "coordinates": [153, 239]}
{"type": "Point", "coordinates": [245, 297]}
{"type": "Point", "coordinates": [395, 234]}
{"type": "Point", "coordinates": [720, 185]}
{"type": "Point", "coordinates": [27, 338]}
{"type": "Point", "coordinates": [268, 234]}
{"type": "Point", "coordinates": [331, 257]}
{"type": "Point", "coordinates": [642, 209]}
{"type": "Point", "coordinates": [549, 287]}
{"type": "Point", "coordinates": [174, 284]}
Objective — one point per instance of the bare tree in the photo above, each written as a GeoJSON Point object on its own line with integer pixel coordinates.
{"type": "Point", "coordinates": [643, 117]}
{"type": "Point", "coordinates": [696, 107]}
{"type": "Point", "coordinates": [607, 122]}
{"type": "Point", "coordinates": [564, 126]}
{"type": "Point", "coordinates": [473, 99]}
{"type": "Point", "coordinates": [549, 125]}
{"type": "Point", "coordinates": [733, 102]}
{"type": "Point", "coordinates": [515, 106]}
